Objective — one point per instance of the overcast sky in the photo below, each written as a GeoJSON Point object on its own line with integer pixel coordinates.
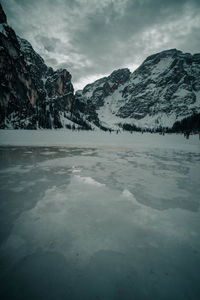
{"type": "Point", "coordinates": [91, 38]}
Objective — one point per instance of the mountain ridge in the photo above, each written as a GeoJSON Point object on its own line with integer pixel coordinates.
{"type": "Point", "coordinates": [32, 95]}
{"type": "Point", "coordinates": [163, 90]}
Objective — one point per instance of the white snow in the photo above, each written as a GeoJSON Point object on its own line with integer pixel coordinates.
{"type": "Point", "coordinates": [95, 139]}
{"type": "Point", "coordinates": [160, 67]}
{"type": "Point", "coordinates": [126, 193]}
{"type": "Point", "coordinates": [48, 152]}
{"type": "Point", "coordinates": [76, 171]}
{"type": "Point", "coordinates": [88, 180]}
{"type": "Point", "coordinates": [135, 79]}
{"type": "Point", "coordinates": [107, 112]}
{"type": "Point", "coordinates": [99, 209]}
{"type": "Point", "coordinates": [181, 93]}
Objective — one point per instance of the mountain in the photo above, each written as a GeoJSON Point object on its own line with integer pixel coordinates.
{"type": "Point", "coordinates": [94, 96]}
{"type": "Point", "coordinates": [32, 95]}
{"type": "Point", "coordinates": [163, 90]}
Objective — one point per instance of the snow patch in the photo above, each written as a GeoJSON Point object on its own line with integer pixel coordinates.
{"type": "Point", "coordinates": [88, 180]}
{"type": "Point", "coordinates": [47, 153]}
{"type": "Point", "coordinates": [76, 171]}
{"type": "Point", "coordinates": [126, 193]}
{"type": "Point", "coordinates": [130, 197]}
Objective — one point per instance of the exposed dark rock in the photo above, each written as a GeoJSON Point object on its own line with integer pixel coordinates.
{"type": "Point", "coordinates": [103, 87]}
{"type": "Point", "coordinates": [32, 95]}
{"type": "Point", "coordinates": [3, 18]}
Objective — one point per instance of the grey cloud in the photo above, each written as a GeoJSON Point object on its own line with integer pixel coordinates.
{"type": "Point", "coordinates": [52, 62]}
{"type": "Point", "coordinates": [91, 37]}
{"type": "Point", "coordinates": [49, 44]}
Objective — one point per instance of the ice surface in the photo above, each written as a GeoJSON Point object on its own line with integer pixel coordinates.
{"type": "Point", "coordinates": [119, 220]}
{"type": "Point", "coordinates": [88, 180]}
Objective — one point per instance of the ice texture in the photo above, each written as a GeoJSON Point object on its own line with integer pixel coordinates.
{"type": "Point", "coordinates": [101, 222]}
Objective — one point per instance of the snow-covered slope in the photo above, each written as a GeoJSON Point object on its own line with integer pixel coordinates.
{"type": "Point", "coordinates": [163, 90]}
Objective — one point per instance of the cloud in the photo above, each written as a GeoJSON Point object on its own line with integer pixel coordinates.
{"type": "Point", "coordinates": [49, 43]}
{"type": "Point", "coordinates": [92, 38]}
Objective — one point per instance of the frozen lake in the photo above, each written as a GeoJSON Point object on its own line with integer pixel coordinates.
{"type": "Point", "coordinates": [114, 219]}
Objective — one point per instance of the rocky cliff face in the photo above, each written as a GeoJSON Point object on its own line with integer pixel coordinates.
{"type": "Point", "coordinates": [93, 96]}
{"type": "Point", "coordinates": [100, 89]}
{"type": "Point", "coordinates": [164, 89]}
{"type": "Point", "coordinates": [32, 95]}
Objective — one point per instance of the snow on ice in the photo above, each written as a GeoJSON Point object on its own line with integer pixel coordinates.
{"type": "Point", "coordinates": [95, 215]}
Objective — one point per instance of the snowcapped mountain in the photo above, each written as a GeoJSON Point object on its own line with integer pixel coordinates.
{"type": "Point", "coordinates": [32, 95]}
{"type": "Point", "coordinates": [163, 90]}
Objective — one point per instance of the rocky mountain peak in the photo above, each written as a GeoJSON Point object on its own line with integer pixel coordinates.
{"type": "Point", "coordinates": [32, 95]}
{"type": "Point", "coordinates": [96, 92]}
{"type": "Point", "coordinates": [33, 60]}
{"type": "Point", "coordinates": [119, 76]}
{"type": "Point", "coordinates": [163, 54]}
{"type": "Point", "coordinates": [164, 89]}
